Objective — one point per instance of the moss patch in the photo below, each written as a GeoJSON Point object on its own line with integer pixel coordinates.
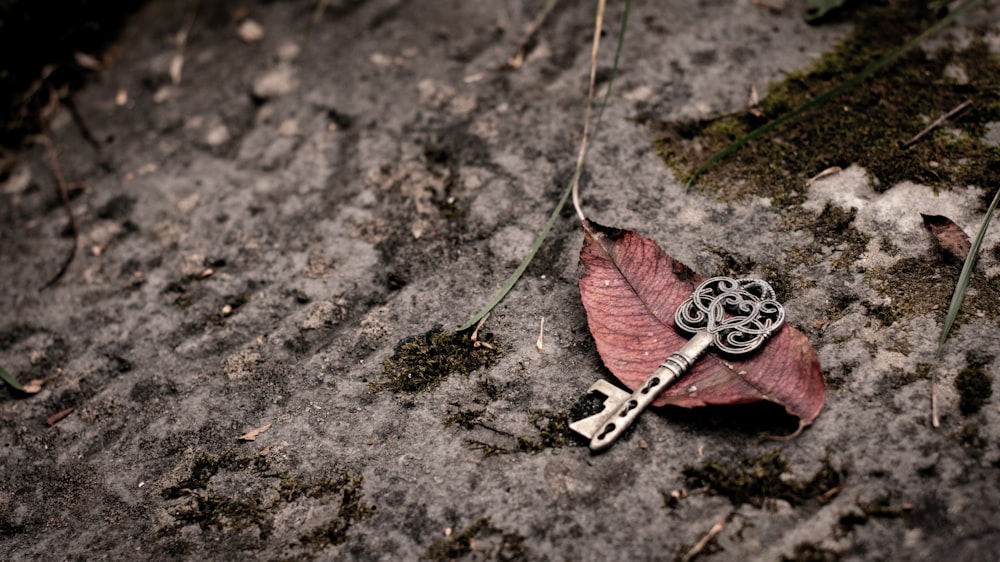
{"type": "Point", "coordinates": [552, 430]}
{"type": "Point", "coordinates": [834, 236]}
{"type": "Point", "coordinates": [231, 492]}
{"type": "Point", "coordinates": [344, 487]}
{"type": "Point", "coordinates": [867, 124]}
{"type": "Point", "coordinates": [205, 466]}
{"type": "Point", "coordinates": [421, 362]}
{"type": "Point", "coordinates": [918, 286]}
{"type": "Point", "coordinates": [809, 552]}
{"type": "Point", "coordinates": [756, 480]}
{"type": "Point", "coordinates": [974, 388]}
{"type": "Point", "coordinates": [879, 508]}
{"type": "Point", "coordinates": [465, 419]}
{"type": "Point", "coordinates": [482, 539]}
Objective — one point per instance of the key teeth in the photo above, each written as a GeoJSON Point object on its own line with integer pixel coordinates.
{"type": "Point", "coordinates": [614, 398]}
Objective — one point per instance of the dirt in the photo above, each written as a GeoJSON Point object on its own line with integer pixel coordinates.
{"type": "Point", "coordinates": [270, 240]}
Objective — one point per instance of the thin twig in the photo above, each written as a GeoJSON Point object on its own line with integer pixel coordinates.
{"type": "Point", "coordinates": [85, 131]}
{"type": "Point", "coordinates": [475, 335]}
{"type": "Point", "coordinates": [319, 9]}
{"type": "Point", "coordinates": [935, 419]}
{"type": "Point", "coordinates": [598, 22]}
{"type": "Point", "coordinates": [180, 41]}
{"type": "Point", "coordinates": [53, 156]}
{"type": "Point", "coordinates": [827, 172]}
{"type": "Point", "coordinates": [517, 60]}
{"type": "Point", "coordinates": [936, 123]}
{"type": "Point", "coordinates": [541, 330]}
{"type": "Point", "coordinates": [711, 534]}
{"type": "Point", "coordinates": [784, 438]}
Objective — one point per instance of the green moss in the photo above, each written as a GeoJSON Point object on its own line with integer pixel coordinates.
{"type": "Point", "coordinates": [879, 508]}
{"type": "Point", "coordinates": [551, 427]}
{"type": "Point", "coordinates": [205, 466]}
{"type": "Point", "coordinates": [490, 388]}
{"type": "Point", "coordinates": [222, 512]}
{"type": "Point", "coordinates": [974, 388]}
{"type": "Point", "coordinates": [758, 479]}
{"type": "Point", "coordinates": [970, 437]}
{"type": "Point", "coordinates": [198, 500]}
{"type": "Point", "coordinates": [834, 236]}
{"type": "Point", "coordinates": [733, 265]}
{"type": "Point", "coordinates": [867, 124]}
{"type": "Point", "coordinates": [421, 362]}
{"type": "Point", "coordinates": [481, 538]}
{"type": "Point", "coordinates": [918, 286]}
{"type": "Point", "coordinates": [553, 431]}
{"type": "Point", "coordinates": [464, 419]}
{"type": "Point", "coordinates": [808, 552]}
{"type": "Point", "coordinates": [353, 508]}
{"type": "Point", "coordinates": [178, 290]}
{"type": "Point", "coordinates": [236, 301]}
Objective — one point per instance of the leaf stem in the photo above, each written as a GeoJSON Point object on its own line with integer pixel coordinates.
{"type": "Point", "coordinates": [584, 146]}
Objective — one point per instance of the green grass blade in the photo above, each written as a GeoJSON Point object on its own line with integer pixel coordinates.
{"type": "Point", "coordinates": [516, 276]}
{"type": "Point", "coordinates": [963, 279]}
{"type": "Point", "coordinates": [869, 70]}
{"type": "Point", "coordinates": [10, 380]}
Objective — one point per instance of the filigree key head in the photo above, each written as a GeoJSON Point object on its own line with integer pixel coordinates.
{"type": "Point", "coordinates": [740, 313]}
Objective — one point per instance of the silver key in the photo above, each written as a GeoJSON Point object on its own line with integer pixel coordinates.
{"type": "Point", "coordinates": [734, 315]}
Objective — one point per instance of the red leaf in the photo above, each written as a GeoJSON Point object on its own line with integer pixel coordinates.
{"type": "Point", "coordinates": [631, 288]}
{"type": "Point", "coordinates": [952, 239]}
{"type": "Point", "coordinates": [58, 416]}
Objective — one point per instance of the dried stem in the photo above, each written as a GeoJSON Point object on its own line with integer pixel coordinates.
{"type": "Point", "coordinates": [598, 22]}
{"type": "Point", "coordinates": [711, 534]}
{"type": "Point", "coordinates": [517, 60]}
{"type": "Point", "coordinates": [180, 41]}
{"type": "Point", "coordinates": [53, 156]}
{"type": "Point", "coordinates": [937, 122]}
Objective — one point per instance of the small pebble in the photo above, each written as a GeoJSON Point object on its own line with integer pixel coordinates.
{"type": "Point", "coordinates": [250, 31]}
{"type": "Point", "coordinates": [217, 136]}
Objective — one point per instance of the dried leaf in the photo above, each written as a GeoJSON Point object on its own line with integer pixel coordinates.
{"type": "Point", "coordinates": [58, 416]}
{"type": "Point", "coordinates": [952, 239]}
{"type": "Point", "coordinates": [631, 288]}
{"type": "Point", "coordinates": [253, 433]}
{"type": "Point", "coordinates": [87, 61]}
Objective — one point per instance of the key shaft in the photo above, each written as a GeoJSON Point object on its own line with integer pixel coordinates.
{"type": "Point", "coordinates": [617, 421]}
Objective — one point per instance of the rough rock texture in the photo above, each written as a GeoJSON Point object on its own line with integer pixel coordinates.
{"type": "Point", "coordinates": [358, 180]}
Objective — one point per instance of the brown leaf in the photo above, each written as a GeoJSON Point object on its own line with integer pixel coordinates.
{"type": "Point", "coordinates": [631, 288]}
{"type": "Point", "coordinates": [58, 416]}
{"type": "Point", "coordinates": [952, 239]}
{"type": "Point", "coordinates": [253, 433]}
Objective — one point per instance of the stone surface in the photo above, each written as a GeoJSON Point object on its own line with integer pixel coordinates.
{"type": "Point", "coordinates": [362, 179]}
